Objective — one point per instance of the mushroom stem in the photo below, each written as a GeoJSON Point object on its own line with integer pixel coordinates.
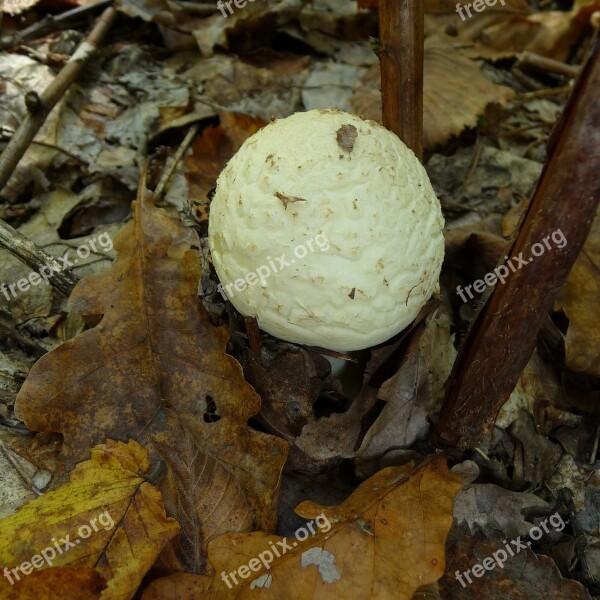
{"type": "Point", "coordinates": [401, 61]}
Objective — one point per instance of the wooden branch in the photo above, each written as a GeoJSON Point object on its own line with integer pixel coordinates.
{"type": "Point", "coordinates": [173, 161]}
{"type": "Point", "coordinates": [401, 59]}
{"type": "Point", "coordinates": [548, 64]}
{"type": "Point", "coordinates": [40, 107]}
{"type": "Point", "coordinates": [24, 249]}
{"type": "Point", "coordinates": [503, 335]}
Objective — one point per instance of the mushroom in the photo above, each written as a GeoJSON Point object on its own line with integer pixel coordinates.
{"type": "Point", "coordinates": [324, 226]}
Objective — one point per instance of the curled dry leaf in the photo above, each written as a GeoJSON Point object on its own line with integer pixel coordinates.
{"type": "Point", "coordinates": [154, 349]}
{"type": "Point", "coordinates": [107, 518]}
{"type": "Point", "coordinates": [385, 541]}
{"type": "Point", "coordinates": [447, 110]}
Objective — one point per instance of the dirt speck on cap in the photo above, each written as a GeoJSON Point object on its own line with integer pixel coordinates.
{"type": "Point", "coordinates": [346, 136]}
{"type": "Point", "coordinates": [287, 199]}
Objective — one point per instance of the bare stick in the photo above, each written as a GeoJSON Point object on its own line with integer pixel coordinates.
{"type": "Point", "coordinates": [401, 60]}
{"type": "Point", "coordinates": [503, 335]}
{"type": "Point", "coordinates": [548, 64]}
{"type": "Point", "coordinates": [25, 250]}
{"type": "Point", "coordinates": [39, 110]}
{"type": "Point", "coordinates": [173, 161]}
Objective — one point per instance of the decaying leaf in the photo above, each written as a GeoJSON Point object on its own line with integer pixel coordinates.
{"type": "Point", "coordinates": [524, 576]}
{"type": "Point", "coordinates": [447, 110]}
{"type": "Point", "coordinates": [385, 541]}
{"type": "Point", "coordinates": [351, 434]}
{"type": "Point", "coordinates": [108, 518]}
{"type": "Point", "coordinates": [204, 506]}
{"type": "Point", "coordinates": [153, 349]}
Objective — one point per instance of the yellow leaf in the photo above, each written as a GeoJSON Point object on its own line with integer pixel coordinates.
{"type": "Point", "coordinates": [107, 518]}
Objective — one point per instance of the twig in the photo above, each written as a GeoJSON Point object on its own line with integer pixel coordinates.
{"type": "Point", "coordinates": [49, 22]}
{"type": "Point", "coordinates": [401, 59]}
{"type": "Point", "coordinates": [41, 107]}
{"type": "Point", "coordinates": [16, 243]}
{"type": "Point", "coordinates": [546, 92]}
{"type": "Point", "coordinates": [548, 64]}
{"type": "Point", "coordinates": [503, 335]}
{"type": "Point", "coordinates": [173, 161]}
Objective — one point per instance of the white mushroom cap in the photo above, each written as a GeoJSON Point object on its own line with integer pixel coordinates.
{"type": "Point", "coordinates": [350, 208]}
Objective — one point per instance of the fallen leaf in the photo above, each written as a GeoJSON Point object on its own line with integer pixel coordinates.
{"type": "Point", "coordinates": [109, 506]}
{"type": "Point", "coordinates": [549, 33]}
{"type": "Point", "coordinates": [289, 382]}
{"type": "Point", "coordinates": [447, 110]}
{"type": "Point", "coordinates": [384, 542]}
{"type": "Point", "coordinates": [204, 506]}
{"type": "Point", "coordinates": [525, 576]}
{"type": "Point", "coordinates": [153, 349]}
{"type": "Point", "coordinates": [409, 395]}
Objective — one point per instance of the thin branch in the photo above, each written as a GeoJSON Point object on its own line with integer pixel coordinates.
{"type": "Point", "coordinates": [401, 59]}
{"type": "Point", "coordinates": [173, 161]}
{"type": "Point", "coordinates": [24, 249]}
{"type": "Point", "coordinates": [40, 107]}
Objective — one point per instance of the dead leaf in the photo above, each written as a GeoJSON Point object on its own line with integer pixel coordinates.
{"type": "Point", "coordinates": [447, 110]}
{"type": "Point", "coordinates": [153, 349]}
{"type": "Point", "coordinates": [204, 506]}
{"type": "Point", "coordinates": [107, 518]}
{"type": "Point", "coordinates": [289, 382]}
{"type": "Point", "coordinates": [449, 6]}
{"type": "Point", "coordinates": [550, 33]}
{"type": "Point", "coordinates": [525, 576]}
{"type": "Point", "coordinates": [385, 541]}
